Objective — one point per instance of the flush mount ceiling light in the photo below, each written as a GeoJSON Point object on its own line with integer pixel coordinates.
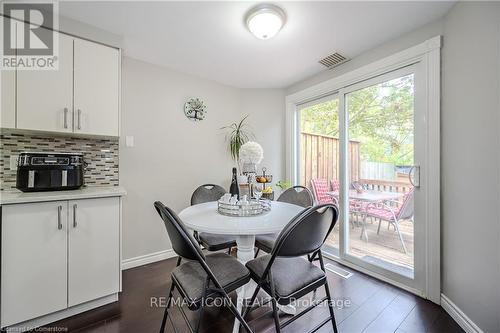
{"type": "Point", "coordinates": [265, 20]}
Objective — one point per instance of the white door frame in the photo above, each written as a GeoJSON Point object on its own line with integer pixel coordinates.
{"type": "Point", "coordinates": [427, 55]}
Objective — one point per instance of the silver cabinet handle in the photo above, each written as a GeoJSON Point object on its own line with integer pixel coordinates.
{"type": "Point", "coordinates": [75, 206]}
{"type": "Point", "coordinates": [65, 117]}
{"type": "Point", "coordinates": [59, 221]}
{"type": "Point", "coordinates": [79, 113]}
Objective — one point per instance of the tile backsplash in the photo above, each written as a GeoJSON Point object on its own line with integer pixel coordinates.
{"type": "Point", "coordinates": [101, 155]}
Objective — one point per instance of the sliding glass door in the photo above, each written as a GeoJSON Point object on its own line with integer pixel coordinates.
{"type": "Point", "coordinates": [320, 152]}
{"type": "Point", "coordinates": [359, 147]}
{"type": "Point", "coordinates": [380, 116]}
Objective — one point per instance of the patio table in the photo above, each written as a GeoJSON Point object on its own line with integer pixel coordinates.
{"type": "Point", "coordinates": [370, 196]}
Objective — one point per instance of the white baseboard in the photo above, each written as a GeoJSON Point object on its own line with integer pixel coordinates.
{"type": "Point", "coordinates": [147, 259]}
{"type": "Point", "coordinates": [459, 316]}
{"type": "Point", "coordinates": [29, 325]}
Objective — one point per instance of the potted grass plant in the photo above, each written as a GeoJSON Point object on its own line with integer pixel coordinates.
{"type": "Point", "coordinates": [237, 135]}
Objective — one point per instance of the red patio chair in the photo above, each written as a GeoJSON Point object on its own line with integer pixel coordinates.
{"type": "Point", "coordinates": [356, 207]}
{"type": "Point", "coordinates": [320, 189]}
{"type": "Point", "coordinates": [393, 215]}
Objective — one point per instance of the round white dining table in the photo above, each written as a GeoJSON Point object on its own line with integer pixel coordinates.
{"type": "Point", "coordinates": [205, 218]}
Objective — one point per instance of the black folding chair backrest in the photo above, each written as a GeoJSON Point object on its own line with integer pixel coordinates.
{"type": "Point", "coordinates": [207, 193]}
{"type": "Point", "coordinates": [297, 195]}
{"type": "Point", "coordinates": [306, 232]}
{"type": "Point", "coordinates": [182, 242]}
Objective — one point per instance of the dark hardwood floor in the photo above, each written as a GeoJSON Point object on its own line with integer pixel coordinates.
{"type": "Point", "coordinates": [375, 307]}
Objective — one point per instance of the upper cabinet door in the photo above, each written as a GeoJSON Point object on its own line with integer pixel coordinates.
{"type": "Point", "coordinates": [8, 90]}
{"type": "Point", "coordinates": [97, 85]}
{"type": "Point", "coordinates": [8, 99]}
{"type": "Point", "coordinates": [45, 97]}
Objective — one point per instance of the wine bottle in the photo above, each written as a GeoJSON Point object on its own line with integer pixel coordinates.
{"type": "Point", "coordinates": [234, 189]}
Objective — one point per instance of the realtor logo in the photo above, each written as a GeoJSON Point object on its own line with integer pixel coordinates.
{"type": "Point", "coordinates": [29, 40]}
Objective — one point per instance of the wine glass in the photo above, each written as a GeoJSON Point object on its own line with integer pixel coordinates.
{"type": "Point", "coordinates": [257, 192]}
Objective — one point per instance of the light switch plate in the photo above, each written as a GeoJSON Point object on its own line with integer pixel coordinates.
{"type": "Point", "coordinates": [13, 162]}
{"type": "Point", "coordinates": [129, 141]}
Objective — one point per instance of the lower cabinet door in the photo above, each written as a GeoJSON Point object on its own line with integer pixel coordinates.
{"type": "Point", "coordinates": [94, 249]}
{"type": "Point", "coordinates": [34, 256]}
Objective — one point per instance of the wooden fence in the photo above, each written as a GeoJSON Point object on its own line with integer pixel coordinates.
{"type": "Point", "coordinates": [320, 159]}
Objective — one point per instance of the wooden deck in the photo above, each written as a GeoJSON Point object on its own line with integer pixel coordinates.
{"type": "Point", "coordinates": [385, 246]}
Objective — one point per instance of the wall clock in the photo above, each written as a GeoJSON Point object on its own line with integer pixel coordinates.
{"type": "Point", "coordinates": [195, 109]}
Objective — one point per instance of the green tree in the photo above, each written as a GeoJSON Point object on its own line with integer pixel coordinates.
{"type": "Point", "coordinates": [380, 118]}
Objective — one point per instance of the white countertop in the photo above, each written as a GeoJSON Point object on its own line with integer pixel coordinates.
{"type": "Point", "coordinates": [16, 196]}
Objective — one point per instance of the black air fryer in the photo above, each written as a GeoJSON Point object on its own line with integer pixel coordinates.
{"type": "Point", "coordinates": [49, 171]}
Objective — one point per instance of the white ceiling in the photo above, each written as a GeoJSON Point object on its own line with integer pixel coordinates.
{"type": "Point", "coordinates": [210, 40]}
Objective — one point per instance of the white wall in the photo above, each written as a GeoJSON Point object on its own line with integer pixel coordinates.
{"type": "Point", "coordinates": [173, 155]}
{"type": "Point", "coordinates": [470, 193]}
{"type": "Point", "coordinates": [470, 161]}
{"type": "Point", "coordinates": [266, 108]}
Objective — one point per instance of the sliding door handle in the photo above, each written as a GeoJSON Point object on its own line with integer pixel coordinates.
{"type": "Point", "coordinates": [415, 180]}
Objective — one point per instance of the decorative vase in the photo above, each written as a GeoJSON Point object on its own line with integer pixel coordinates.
{"type": "Point", "coordinates": [242, 179]}
{"type": "Point", "coordinates": [249, 168]}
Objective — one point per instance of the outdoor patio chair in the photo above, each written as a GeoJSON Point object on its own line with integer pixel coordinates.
{"type": "Point", "coordinates": [285, 275]}
{"type": "Point", "coordinates": [320, 188]}
{"type": "Point", "coordinates": [392, 214]}
{"type": "Point", "coordinates": [200, 277]}
{"type": "Point", "coordinates": [356, 207]}
{"type": "Point", "coordinates": [212, 242]}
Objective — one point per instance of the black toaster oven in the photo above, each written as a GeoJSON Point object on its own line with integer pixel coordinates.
{"type": "Point", "coordinates": [49, 171]}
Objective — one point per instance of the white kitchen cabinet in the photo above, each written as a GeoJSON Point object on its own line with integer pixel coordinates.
{"type": "Point", "coordinates": [8, 91]}
{"type": "Point", "coordinates": [45, 97]}
{"type": "Point", "coordinates": [96, 71]}
{"type": "Point", "coordinates": [81, 96]}
{"type": "Point", "coordinates": [94, 243]}
{"type": "Point", "coordinates": [8, 99]}
{"type": "Point", "coordinates": [34, 260]}
{"type": "Point", "coordinates": [58, 258]}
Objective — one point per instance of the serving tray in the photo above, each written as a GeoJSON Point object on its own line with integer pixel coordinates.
{"type": "Point", "coordinates": [252, 208]}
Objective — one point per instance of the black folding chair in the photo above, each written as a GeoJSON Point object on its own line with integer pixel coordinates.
{"type": "Point", "coordinates": [212, 242]}
{"type": "Point", "coordinates": [285, 275]}
{"type": "Point", "coordinates": [201, 277]}
{"type": "Point", "coordinates": [297, 195]}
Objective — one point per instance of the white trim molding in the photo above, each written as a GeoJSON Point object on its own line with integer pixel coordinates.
{"type": "Point", "coordinates": [59, 315]}
{"type": "Point", "coordinates": [427, 57]}
{"type": "Point", "coordinates": [459, 316]}
{"type": "Point", "coordinates": [373, 274]}
{"type": "Point", "coordinates": [147, 259]}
